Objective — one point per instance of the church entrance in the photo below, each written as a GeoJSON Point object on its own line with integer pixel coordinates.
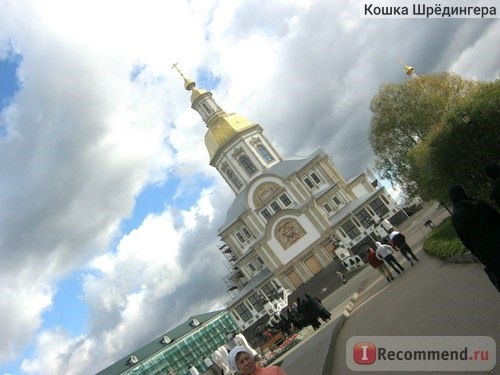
{"type": "Point", "coordinates": [294, 278]}
{"type": "Point", "coordinates": [313, 264]}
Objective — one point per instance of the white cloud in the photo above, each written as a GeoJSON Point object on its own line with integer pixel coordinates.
{"type": "Point", "coordinates": [84, 140]}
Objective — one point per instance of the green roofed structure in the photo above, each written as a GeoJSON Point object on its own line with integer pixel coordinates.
{"type": "Point", "coordinates": [174, 352]}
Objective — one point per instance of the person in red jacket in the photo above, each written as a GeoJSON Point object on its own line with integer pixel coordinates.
{"type": "Point", "coordinates": [379, 265]}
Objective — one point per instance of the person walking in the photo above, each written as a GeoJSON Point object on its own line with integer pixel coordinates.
{"type": "Point", "coordinates": [341, 276]}
{"type": "Point", "coordinates": [492, 170]}
{"type": "Point", "coordinates": [306, 309]}
{"type": "Point", "coordinates": [398, 241]}
{"type": "Point", "coordinates": [321, 311]}
{"type": "Point", "coordinates": [478, 226]}
{"type": "Point", "coordinates": [379, 265]}
{"type": "Point", "coordinates": [384, 252]}
{"type": "Point", "coordinates": [241, 359]}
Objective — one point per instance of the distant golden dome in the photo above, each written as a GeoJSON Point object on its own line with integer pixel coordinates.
{"type": "Point", "coordinates": [222, 129]}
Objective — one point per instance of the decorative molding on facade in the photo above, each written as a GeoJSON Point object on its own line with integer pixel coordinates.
{"type": "Point", "coordinates": [288, 232]}
{"type": "Point", "coordinates": [264, 192]}
{"type": "Point", "coordinates": [237, 152]}
{"type": "Point", "coordinates": [255, 141]}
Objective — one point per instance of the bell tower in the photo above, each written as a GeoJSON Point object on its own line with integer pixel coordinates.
{"type": "Point", "coordinates": [236, 146]}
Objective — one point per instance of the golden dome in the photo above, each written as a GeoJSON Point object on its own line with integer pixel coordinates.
{"type": "Point", "coordinates": [409, 70]}
{"type": "Point", "coordinates": [222, 129]}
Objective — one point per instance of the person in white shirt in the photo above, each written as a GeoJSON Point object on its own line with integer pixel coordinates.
{"type": "Point", "coordinates": [384, 252]}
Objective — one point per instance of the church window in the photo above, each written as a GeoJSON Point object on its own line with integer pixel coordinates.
{"type": "Point", "coordinates": [364, 218]}
{"type": "Point", "coordinates": [309, 183]}
{"type": "Point", "coordinates": [269, 290]}
{"type": "Point", "coordinates": [379, 207]}
{"type": "Point", "coordinates": [244, 312]}
{"type": "Point", "coordinates": [252, 267]}
{"type": "Point", "coordinates": [275, 206]}
{"type": "Point", "coordinates": [206, 108]}
{"type": "Point", "coordinates": [285, 199]}
{"type": "Point", "coordinates": [257, 301]}
{"type": "Point", "coordinates": [327, 208]}
{"type": "Point", "coordinates": [351, 229]}
{"type": "Point", "coordinates": [259, 259]}
{"type": "Point", "coordinates": [243, 235]}
{"type": "Point", "coordinates": [336, 200]}
{"type": "Point", "coordinates": [234, 179]}
{"type": "Point", "coordinates": [265, 153]}
{"type": "Point", "coordinates": [315, 178]}
{"type": "Point", "coordinates": [247, 233]}
{"type": "Point", "coordinates": [312, 180]}
{"type": "Point", "coordinates": [247, 164]}
{"type": "Point", "coordinates": [266, 214]}
{"type": "Point", "coordinates": [240, 237]}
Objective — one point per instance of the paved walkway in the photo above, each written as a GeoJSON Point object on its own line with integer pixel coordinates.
{"type": "Point", "coordinates": [432, 298]}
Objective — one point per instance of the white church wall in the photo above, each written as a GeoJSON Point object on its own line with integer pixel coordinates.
{"type": "Point", "coordinates": [360, 190]}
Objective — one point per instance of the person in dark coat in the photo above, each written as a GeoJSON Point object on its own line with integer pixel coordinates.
{"type": "Point", "coordinates": [492, 170]}
{"type": "Point", "coordinates": [398, 241]}
{"type": "Point", "coordinates": [294, 318]}
{"type": "Point", "coordinates": [306, 309]}
{"type": "Point", "coordinates": [478, 226]}
{"type": "Point", "coordinates": [320, 310]}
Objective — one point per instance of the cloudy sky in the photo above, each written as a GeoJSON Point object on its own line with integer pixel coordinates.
{"type": "Point", "coordinates": [109, 207]}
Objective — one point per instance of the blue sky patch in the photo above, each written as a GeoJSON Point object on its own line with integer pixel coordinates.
{"type": "Point", "coordinates": [207, 79]}
{"type": "Point", "coordinates": [136, 71]}
{"type": "Point", "coordinates": [154, 199]}
{"type": "Point", "coordinates": [10, 83]}
{"type": "Point", "coordinates": [68, 308]}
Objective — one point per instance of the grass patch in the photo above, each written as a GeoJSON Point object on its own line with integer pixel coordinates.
{"type": "Point", "coordinates": [443, 241]}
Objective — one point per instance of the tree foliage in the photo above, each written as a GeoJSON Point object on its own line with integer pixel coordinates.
{"type": "Point", "coordinates": [458, 151]}
{"type": "Point", "coordinates": [404, 115]}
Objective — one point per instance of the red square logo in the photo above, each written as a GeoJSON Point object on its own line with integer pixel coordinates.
{"type": "Point", "coordinates": [365, 353]}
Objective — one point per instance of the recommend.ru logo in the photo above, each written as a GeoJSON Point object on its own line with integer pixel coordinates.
{"type": "Point", "coordinates": [421, 353]}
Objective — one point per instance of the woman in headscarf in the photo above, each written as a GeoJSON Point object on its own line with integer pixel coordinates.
{"type": "Point", "coordinates": [478, 226]}
{"type": "Point", "coordinates": [241, 359]}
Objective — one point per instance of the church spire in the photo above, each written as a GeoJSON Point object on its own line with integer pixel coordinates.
{"type": "Point", "coordinates": [236, 146]}
{"type": "Point", "coordinates": [188, 83]}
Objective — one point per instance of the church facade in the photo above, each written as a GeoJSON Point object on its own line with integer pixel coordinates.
{"type": "Point", "coordinates": [290, 218]}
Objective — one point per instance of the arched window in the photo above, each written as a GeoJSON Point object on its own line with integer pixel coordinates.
{"type": "Point", "coordinates": [265, 153]}
{"type": "Point", "coordinates": [247, 164]}
{"type": "Point", "coordinates": [234, 179]}
{"type": "Point", "coordinates": [207, 109]}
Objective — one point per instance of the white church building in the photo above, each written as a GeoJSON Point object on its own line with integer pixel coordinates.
{"type": "Point", "coordinates": [290, 218]}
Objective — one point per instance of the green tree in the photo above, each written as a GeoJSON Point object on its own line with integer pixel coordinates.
{"type": "Point", "coordinates": [457, 151]}
{"type": "Point", "coordinates": [404, 115]}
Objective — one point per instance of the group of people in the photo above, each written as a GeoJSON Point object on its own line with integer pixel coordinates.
{"type": "Point", "coordinates": [477, 224]}
{"type": "Point", "coordinates": [307, 310]}
{"type": "Point", "coordinates": [383, 255]}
